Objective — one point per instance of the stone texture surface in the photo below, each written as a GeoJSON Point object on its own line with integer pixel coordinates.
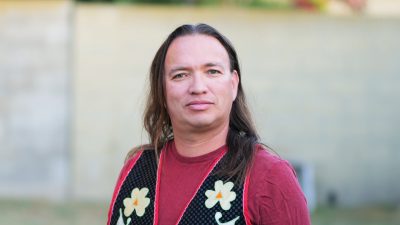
{"type": "Point", "coordinates": [34, 98]}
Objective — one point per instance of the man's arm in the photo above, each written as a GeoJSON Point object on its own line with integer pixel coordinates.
{"type": "Point", "coordinates": [275, 196]}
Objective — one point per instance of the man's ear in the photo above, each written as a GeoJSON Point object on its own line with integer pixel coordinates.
{"type": "Point", "coordinates": [235, 84]}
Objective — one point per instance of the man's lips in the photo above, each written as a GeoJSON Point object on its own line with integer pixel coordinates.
{"type": "Point", "coordinates": [199, 105]}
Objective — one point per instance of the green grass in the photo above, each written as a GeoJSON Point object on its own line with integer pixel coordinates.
{"type": "Point", "coordinates": [46, 213]}
{"type": "Point", "coordinates": [377, 215]}
{"type": "Point", "coordinates": [73, 213]}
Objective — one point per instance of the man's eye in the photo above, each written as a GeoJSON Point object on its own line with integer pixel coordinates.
{"type": "Point", "coordinates": [213, 72]}
{"type": "Point", "coordinates": [178, 76]}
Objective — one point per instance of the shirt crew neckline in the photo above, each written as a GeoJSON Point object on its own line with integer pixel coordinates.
{"type": "Point", "coordinates": [197, 159]}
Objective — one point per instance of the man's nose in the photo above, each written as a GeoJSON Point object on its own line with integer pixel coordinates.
{"type": "Point", "coordinates": [198, 84]}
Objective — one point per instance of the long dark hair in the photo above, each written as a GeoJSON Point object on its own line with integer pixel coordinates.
{"type": "Point", "coordinates": [242, 136]}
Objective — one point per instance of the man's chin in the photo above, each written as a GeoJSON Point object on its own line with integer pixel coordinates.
{"type": "Point", "coordinates": [201, 125]}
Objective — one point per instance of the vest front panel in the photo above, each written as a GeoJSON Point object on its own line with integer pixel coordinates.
{"type": "Point", "coordinates": [135, 201]}
{"type": "Point", "coordinates": [217, 200]}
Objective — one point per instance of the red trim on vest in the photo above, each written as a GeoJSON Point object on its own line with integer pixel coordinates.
{"type": "Point", "coordinates": [245, 200]}
{"type": "Point", "coordinates": [125, 173]}
{"type": "Point", "coordinates": [200, 184]}
{"type": "Point", "coordinates": [158, 179]}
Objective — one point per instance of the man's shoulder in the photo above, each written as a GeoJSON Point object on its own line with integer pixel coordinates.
{"type": "Point", "coordinates": [266, 158]}
{"type": "Point", "coordinates": [136, 152]}
{"type": "Point", "coordinates": [269, 166]}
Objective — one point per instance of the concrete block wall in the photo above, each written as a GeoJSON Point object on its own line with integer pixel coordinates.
{"type": "Point", "coordinates": [34, 98]}
{"type": "Point", "coordinates": [329, 97]}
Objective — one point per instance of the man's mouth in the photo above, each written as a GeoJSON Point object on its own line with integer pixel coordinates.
{"type": "Point", "coordinates": [199, 105]}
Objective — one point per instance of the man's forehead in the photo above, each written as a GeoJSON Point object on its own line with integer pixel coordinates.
{"type": "Point", "coordinates": [196, 50]}
{"type": "Point", "coordinates": [203, 42]}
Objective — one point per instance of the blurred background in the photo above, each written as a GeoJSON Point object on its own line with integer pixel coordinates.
{"type": "Point", "coordinates": [322, 78]}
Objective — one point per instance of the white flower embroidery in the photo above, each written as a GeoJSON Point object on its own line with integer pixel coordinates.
{"type": "Point", "coordinates": [137, 202]}
{"type": "Point", "coordinates": [121, 219]}
{"type": "Point", "coordinates": [218, 216]}
{"type": "Point", "coordinates": [222, 194]}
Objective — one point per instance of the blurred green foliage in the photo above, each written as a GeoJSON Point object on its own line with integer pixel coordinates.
{"type": "Point", "coordinates": [256, 3]}
{"type": "Point", "coordinates": [319, 4]}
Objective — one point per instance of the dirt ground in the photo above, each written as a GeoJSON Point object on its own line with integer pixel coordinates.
{"type": "Point", "coordinates": [44, 213]}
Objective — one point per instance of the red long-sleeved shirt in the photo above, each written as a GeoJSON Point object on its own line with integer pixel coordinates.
{"type": "Point", "coordinates": [274, 194]}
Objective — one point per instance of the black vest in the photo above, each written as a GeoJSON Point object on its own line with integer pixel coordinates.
{"type": "Point", "coordinates": [216, 201]}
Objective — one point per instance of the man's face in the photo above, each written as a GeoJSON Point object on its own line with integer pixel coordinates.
{"type": "Point", "coordinates": [199, 85]}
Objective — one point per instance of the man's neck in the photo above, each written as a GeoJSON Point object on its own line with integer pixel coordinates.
{"type": "Point", "coordinates": [196, 144]}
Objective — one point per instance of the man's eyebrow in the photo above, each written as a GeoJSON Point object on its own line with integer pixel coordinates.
{"type": "Point", "coordinates": [179, 68]}
{"type": "Point", "coordinates": [213, 64]}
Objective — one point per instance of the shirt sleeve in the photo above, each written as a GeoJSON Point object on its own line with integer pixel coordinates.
{"type": "Point", "coordinates": [278, 198]}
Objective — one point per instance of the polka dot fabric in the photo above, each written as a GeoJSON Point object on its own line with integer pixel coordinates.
{"type": "Point", "coordinates": [143, 174]}
{"type": "Point", "coordinates": [198, 213]}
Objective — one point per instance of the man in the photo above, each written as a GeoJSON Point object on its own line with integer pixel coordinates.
{"type": "Point", "coordinates": [204, 163]}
